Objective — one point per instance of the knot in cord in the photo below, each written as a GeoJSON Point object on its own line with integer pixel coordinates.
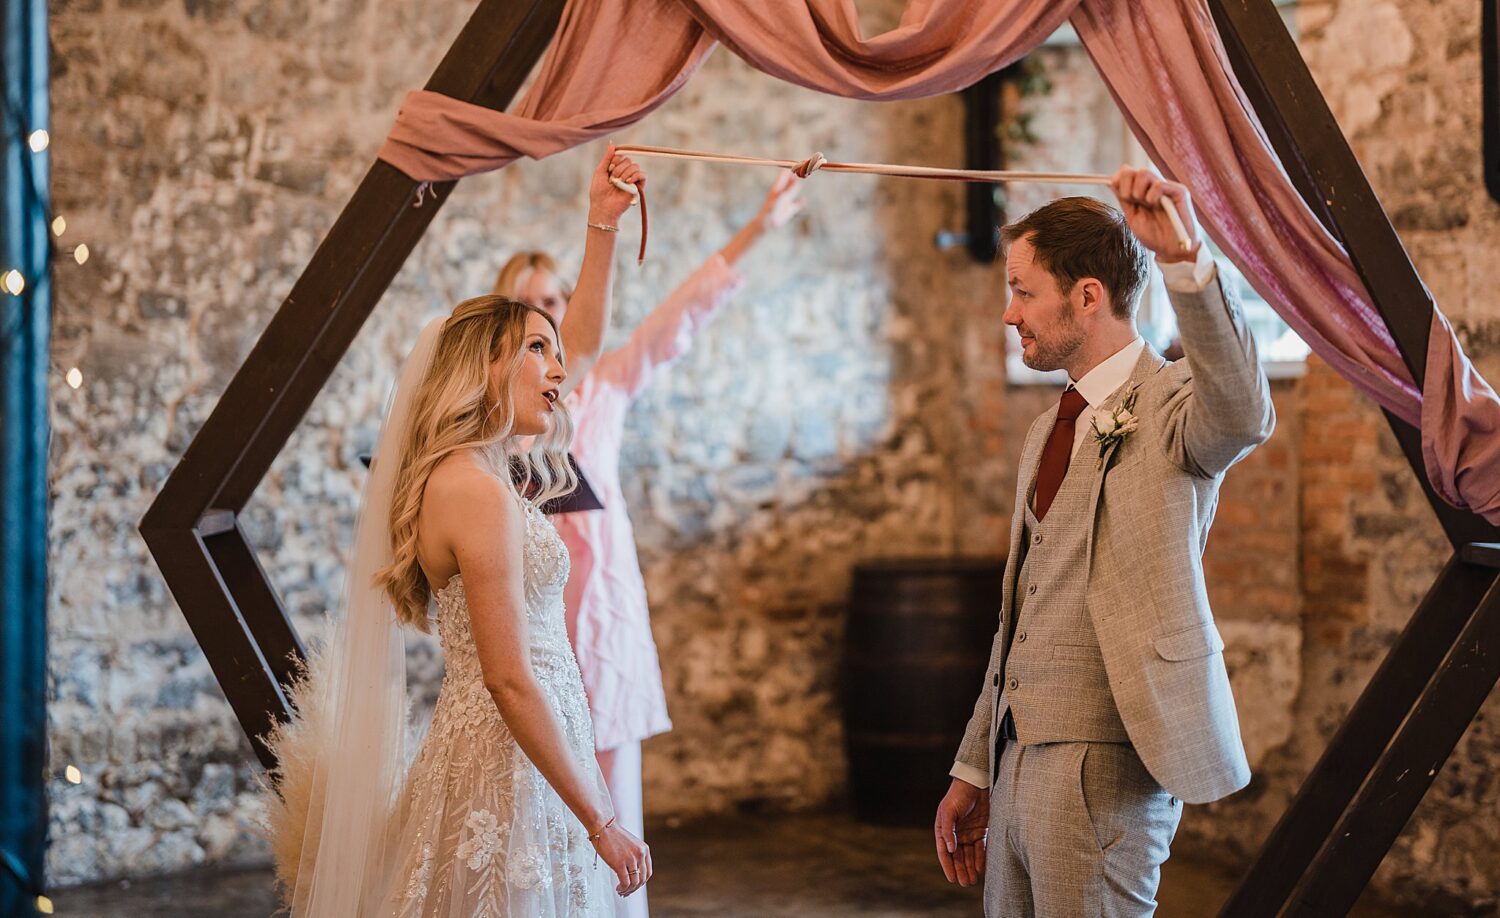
{"type": "Point", "coordinates": [810, 165]}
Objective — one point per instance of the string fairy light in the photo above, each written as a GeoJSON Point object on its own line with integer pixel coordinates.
{"type": "Point", "coordinates": [44, 905]}
{"type": "Point", "coordinates": [72, 773]}
{"type": "Point", "coordinates": [39, 141]}
{"type": "Point", "coordinates": [74, 379]}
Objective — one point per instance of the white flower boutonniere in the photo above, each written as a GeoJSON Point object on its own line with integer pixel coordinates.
{"type": "Point", "coordinates": [1121, 424]}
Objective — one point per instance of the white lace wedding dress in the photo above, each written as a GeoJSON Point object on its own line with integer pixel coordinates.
{"type": "Point", "coordinates": [481, 832]}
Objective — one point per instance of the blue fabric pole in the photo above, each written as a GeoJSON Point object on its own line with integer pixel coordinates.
{"type": "Point", "coordinates": [25, 325]}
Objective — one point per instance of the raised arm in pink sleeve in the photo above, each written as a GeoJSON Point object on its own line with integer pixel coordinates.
{"type": "Point", "coordinates": [668, 331]}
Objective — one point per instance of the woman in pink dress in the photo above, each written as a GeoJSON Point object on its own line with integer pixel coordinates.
{"type": "Point", "coordinates": [608, 620]}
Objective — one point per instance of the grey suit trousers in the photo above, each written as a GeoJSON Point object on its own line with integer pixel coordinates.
{"type": "Point", "coordinates": [1077, 830]}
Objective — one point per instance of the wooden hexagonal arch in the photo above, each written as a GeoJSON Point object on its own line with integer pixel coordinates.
{"type": "Point", "coordinates": [1376, 768]}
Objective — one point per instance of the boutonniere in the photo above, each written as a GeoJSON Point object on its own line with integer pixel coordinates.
{"type": "Point", "coordinates": [1121, 424]}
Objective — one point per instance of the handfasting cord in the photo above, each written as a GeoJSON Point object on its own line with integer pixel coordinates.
{"type": "Point", "coordinates": [818, 163]}
{"type": "Point", "coordinates": [640, 196]}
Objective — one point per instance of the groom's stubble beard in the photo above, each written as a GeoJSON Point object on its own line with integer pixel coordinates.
{"type": "Point", "coordinates": [1054, 349]}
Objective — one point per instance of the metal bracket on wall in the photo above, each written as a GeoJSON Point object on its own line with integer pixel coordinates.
{"type": "Point", "coordinates": [1489, 77]}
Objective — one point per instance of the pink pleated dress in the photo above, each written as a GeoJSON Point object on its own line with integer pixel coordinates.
{"type": "Point", "coordinates": [608, 619]}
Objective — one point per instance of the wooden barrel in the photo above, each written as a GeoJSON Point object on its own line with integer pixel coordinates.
{"type": "Point", "coordinates": [916, 649]}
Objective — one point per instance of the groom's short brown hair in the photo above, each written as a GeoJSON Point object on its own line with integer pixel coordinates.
{"type": "Point", "coordinates": [1080, 237]}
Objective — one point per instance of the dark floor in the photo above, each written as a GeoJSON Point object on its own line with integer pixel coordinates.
{"type": "Point", "coordinates": [820, 866]}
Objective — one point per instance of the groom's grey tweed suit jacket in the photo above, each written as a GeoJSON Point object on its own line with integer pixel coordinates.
{"type": "Point", "coordinates": [1150, 508]}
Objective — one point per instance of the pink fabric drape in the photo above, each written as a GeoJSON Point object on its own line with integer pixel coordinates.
{"type": "Point", "coordinates": [611, 64]}
{"type": "Point", "coordinates": [614, 62]}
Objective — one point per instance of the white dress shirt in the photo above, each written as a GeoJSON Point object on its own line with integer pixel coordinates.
{"type": "Point", "coordinates": [1098, 384]}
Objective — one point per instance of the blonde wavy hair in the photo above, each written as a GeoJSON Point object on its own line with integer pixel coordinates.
{"type": "Point", "coordinates": [512, 276]}
{"type": "Point", "coordinates": [454, 409]}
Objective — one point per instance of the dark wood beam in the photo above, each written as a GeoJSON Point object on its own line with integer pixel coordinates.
{"type": "Point", "coordinates": [229, 644]}
{"type": "Point", "coordinates": [1406, 771]}
{"type": "Point", "coordinates": [270, 627]}
{"type": "Point", "coordinates": [1323, 168]}
{"type": "Point", "coordinates": [1485, 554]}
{"type": "Point", "coordinates": [1361, 740]}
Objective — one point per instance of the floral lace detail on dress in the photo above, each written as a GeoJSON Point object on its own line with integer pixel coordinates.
{"type": "Point", "coordinates": [416, 887]}
{"type": "Point", "coordinates": [484, 841]}
{"type": "Point", "coordinates": [483, 833]}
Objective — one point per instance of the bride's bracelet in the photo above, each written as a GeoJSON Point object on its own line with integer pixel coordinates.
{"type": "Point", "coordinates": [595, 836]}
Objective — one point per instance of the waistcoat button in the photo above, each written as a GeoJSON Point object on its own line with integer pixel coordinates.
{"type": "Point", "coordinates": [1031, 589]}
{"type": "Point", "coordinates": [1036, 539]}
{"type": "Point", "coordinates": [1012, 683]}
{"type": "Point", "coordinates": [1021, 638]}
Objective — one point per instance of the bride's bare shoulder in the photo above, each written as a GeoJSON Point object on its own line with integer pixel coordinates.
{"type": "Point", "coordinates": [460, 489]}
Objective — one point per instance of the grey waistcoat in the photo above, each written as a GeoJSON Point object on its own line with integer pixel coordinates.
{"type": "Point", "coordinates": [1054, 681]}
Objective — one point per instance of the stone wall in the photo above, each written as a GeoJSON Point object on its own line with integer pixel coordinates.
{"type": "Point", "coordinates": [202, 149]}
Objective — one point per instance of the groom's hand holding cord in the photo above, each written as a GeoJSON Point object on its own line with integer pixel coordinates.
{"type": "Point", "coordinates": [1140, 192]}
{"type": "Point", "coordinates": [963, 818]}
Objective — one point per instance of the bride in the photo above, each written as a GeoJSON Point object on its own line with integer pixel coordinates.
{"type": "Point", "coordinates": [503, 810]}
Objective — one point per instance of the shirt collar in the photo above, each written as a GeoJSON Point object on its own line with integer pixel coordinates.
{"type": "Point", "coordinates": [1101, 382]}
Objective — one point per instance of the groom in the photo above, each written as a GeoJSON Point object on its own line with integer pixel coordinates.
{"type": "Point", "coordinates": [1106, 701]}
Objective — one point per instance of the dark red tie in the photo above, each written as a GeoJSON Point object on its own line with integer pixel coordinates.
{"type": "Point", "coordinates": [1058, 452]}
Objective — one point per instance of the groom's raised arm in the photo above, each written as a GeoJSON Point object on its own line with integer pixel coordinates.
{"type": "Point", "coordinates": [1225, 410]}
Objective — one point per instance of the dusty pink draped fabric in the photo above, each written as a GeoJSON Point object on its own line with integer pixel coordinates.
{"type": "Point", "coordinates": [614, 62]}
{"type": "Point", "coordinates": [611, 64]}
{"type": "Point", "coordinates": [939, 45]}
